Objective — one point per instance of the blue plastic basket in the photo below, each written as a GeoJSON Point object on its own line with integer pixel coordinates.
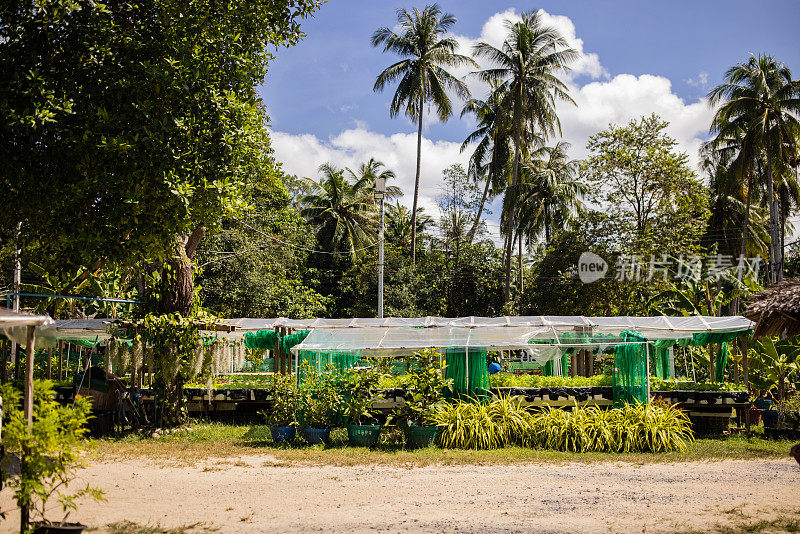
{"type": "Point", "coordinates": [317, 435]}
{"type": "Point", "coordinates": [283, 434]}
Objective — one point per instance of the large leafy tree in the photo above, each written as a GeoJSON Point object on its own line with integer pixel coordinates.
{"type": "Point", "coordinates": [422, 74]}
{"type": "Point", "coordinates": [526, 69]}
{"type": "Point", "coordinates": [133, 125]}
{"type": "Point", "coordinates": [342, 212]}
{"type": "Point", "coordinates": [647, 185]}
{"type": "Point", "coordinates": [760, 103]}
{"type": "Point", "coordinates": [252, 265]}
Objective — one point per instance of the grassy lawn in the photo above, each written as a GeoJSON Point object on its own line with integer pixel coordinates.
{"type": "Point", "coordinates": [218, 440]}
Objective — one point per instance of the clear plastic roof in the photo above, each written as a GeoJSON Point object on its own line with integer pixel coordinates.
{"type": "Point", "coordinates": [497, 333]}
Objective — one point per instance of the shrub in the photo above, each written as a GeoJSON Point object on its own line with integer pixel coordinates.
{"type": "Point", "coordinates": [284, 401]}
{"type": "Point", "coordinates": [424, 391]}
{"type": "Point", "coordinates": [53, 449]}
{"type": "Point", "coordinates": [320, 399]}
{"type": "Point", "coordinates": [361, 391]}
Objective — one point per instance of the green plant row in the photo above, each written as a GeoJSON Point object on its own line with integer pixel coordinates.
{"type": "Point", "coordinates": [503, 422]}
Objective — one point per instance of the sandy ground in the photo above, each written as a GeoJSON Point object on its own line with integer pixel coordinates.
{"type": "Point", "coordinates": [254, 494]}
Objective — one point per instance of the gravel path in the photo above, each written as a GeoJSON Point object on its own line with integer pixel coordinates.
{"type": "Point", "coordinates": [253, 494]}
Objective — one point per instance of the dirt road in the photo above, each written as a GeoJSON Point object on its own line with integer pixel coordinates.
{"type": "Point", "coordinates": [254, 494]}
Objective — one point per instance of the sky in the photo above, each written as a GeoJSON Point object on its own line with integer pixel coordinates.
{"type": "Point", "coordinates": [638, 58]}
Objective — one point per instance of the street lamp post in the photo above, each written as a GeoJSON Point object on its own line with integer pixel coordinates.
{"type": "Point", "coordinates": [380, 193]}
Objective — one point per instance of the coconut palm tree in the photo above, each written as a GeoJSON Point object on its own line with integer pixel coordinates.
{"type": "Point", "coordinates": [398, 224]}
{"type": "Point", "coordinates": [423, 78]}
{"type": "Point", "coordinates": [526, 68]}
{"type": "Point", "coordinates": [760, 99]}
{"type": "Point", "coordinates": [371, 170]}
{"type": "Point", "coordinates": [342, 212]}
{"type": "Point", "coordinates": [492, 151]}
{"type": "Point", "coordinates": [552, 194]}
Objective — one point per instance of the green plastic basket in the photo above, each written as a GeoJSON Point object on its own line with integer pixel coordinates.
{"type": "Point", "coordinates": [363, 435]}
{"type": "Point", "coordinates": [418, 437]}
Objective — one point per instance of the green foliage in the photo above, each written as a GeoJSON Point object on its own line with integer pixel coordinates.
{"type": "Point", "coordinates": [657, 384]}
{"type": "Point", "coordinates": [424, 389]}
{"type": "Point", "coordinates": [469, 424]}
{"type": "Point", "coordinates": [321, 396]}
{"type": "Point", "coordinates": [632, 428]}
{"type": "Point", "coordinates": [253, 265]}
{"type": "Point", "coordinates": [503, 422]}
{"type": "Point", "coordinates": [647, 185]}
{"type": "Point", "coordinates": [283, 410]}
{"type": "Point", "coordinates": [138, 123]}
{"type": "Point", "coordinates": [53, 450]}
{"type": "Point", "coordinates": [361, 389]}
{"type": "Point", "coordinates": [774, 361]}
{"type": "Point", "coordinates": [499, 380]}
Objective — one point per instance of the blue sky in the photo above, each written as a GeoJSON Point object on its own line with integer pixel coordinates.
{"type": "Point", "coordinates": [639, 58]}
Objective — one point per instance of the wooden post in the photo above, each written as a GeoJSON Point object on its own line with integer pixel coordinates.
{"type": "Point", "coordinates": [276, 351]}
{"type": "Point", "coordinates": [746, 372]}
{"type": "Point", "coordinates": [28, 408]}
{"type": "Point", "coordinates": [49, 364]}
{"type": "Point", "coordinates": [589, 363]}
{"type": "Point", "coordinates": [4, 361]}
{"type": "Point", "coordinates": [711, 356]}
{"type": "Point", "coordinates": [60, 359]}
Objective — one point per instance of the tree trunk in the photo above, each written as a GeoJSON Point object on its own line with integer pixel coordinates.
{"type": "Point", "coordinates": [521, 280]}
{"type": "Point", "coordinates": [745, 230]}
{"type": "Point", "coordinates": [179, 294]}
{"type": "Point", "coordinates": [507, 296]}
{"type": "Point", "coordinates": [477, 222]}
{"type": "Point", "coordinates": [776, 262]}
{"type": "Point", "coordinates": [416, 188]}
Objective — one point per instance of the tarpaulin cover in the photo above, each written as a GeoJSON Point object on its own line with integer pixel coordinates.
{"type": "Point", "coordinates": [14, 325]}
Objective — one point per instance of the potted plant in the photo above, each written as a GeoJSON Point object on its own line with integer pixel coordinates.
{"type": "Point", "coordinates": [50, 454]}
{"type": "Point", "coordinates": [423, 394]}
{"type": "Point", "coordinates": [319, 403]}
{"type": "Point", "coordinates": [774, 361]}
{"type": "Point", "coordinates": [282, 418]}
{"type": "Point", "coordinates": [362, 429]}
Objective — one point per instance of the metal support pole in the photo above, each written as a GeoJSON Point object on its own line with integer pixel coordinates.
{"type": "Point", "coordinates": [746, 372]}
{"type": "Point", "coordinates": [380, 264]}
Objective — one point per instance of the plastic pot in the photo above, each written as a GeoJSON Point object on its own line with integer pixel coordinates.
{"type": "Point", "coordinates": [282, 434]}
{"type": "Point", "coordinates": [755, 416]}
{"type": "Point", "coordinates": [363, 435]}
{"type": "Point", "coordinates": [315, 436]}
{"type": "Point", "coordinates": [762, 404]}
{"type": "Point", "coordinates": [71, 528]}
{"type": "Point", "coordinates": [418, 437]}
{"type": "Point", "coordinates": [770, 418]}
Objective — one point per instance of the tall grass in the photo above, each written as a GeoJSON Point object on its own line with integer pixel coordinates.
{"type": "Point", "coordinates": [503, 422]}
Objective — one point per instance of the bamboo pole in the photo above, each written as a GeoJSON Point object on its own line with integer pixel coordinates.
{"type": "Point", "coordinates": [28, 408]}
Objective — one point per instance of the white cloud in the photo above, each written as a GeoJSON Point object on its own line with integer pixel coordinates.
{"type": "Point", "coordinates": [303, 154]}
{"type": "Point", "coordinates": [600, 101]}
{"type": "Point", "coordinates": [701, 81]}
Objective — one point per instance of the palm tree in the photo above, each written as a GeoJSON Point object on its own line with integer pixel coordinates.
{"type": "Point", "coordinates": [552, 194]}
{"type": "Point", "coordinates": [525, 68]}
{"type": "Point", "coordinates": [492, 152]}
{"type": "Point", "coordinates": [342, 212]}
{"type": "Point", "coordinates": [398, 224]}
{"type": "Point", "coordinates": [369, 171]}
{"type": "Point", "coordinates": [421, 73]}
{"type": "Point", "coordinates": [760, 99]}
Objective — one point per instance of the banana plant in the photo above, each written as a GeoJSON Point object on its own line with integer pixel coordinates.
{"type": "Point", "coordinates": [775, 361]}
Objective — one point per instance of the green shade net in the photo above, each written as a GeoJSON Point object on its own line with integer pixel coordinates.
{"type": "Point", "coordinates": [660, 358]}
{"type": "Point", "coordinates": [473, 384]}
{"type": "Point", "coordinates": [721, 362]}
{"type": "Point", "coordinates": [287, 342]}
{"type": "Point", "coordinates": [262, 339]}
{"type": "Point", "coordinates": [324, 361]}
{"type": "Point", "coordinates": [630, 370]}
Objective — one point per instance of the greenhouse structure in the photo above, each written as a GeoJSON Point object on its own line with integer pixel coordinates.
{"type": "Point", "coordinates": [555, 343]}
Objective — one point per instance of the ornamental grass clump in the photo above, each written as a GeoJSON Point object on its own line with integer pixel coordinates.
{"type": "Point", "coordinates": [469, 424]}
{"type": "Point", "coordinates": [503, 422]}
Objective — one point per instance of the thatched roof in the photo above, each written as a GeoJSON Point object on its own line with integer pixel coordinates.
{"type": "Point", "coordinates": [776, 310]}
